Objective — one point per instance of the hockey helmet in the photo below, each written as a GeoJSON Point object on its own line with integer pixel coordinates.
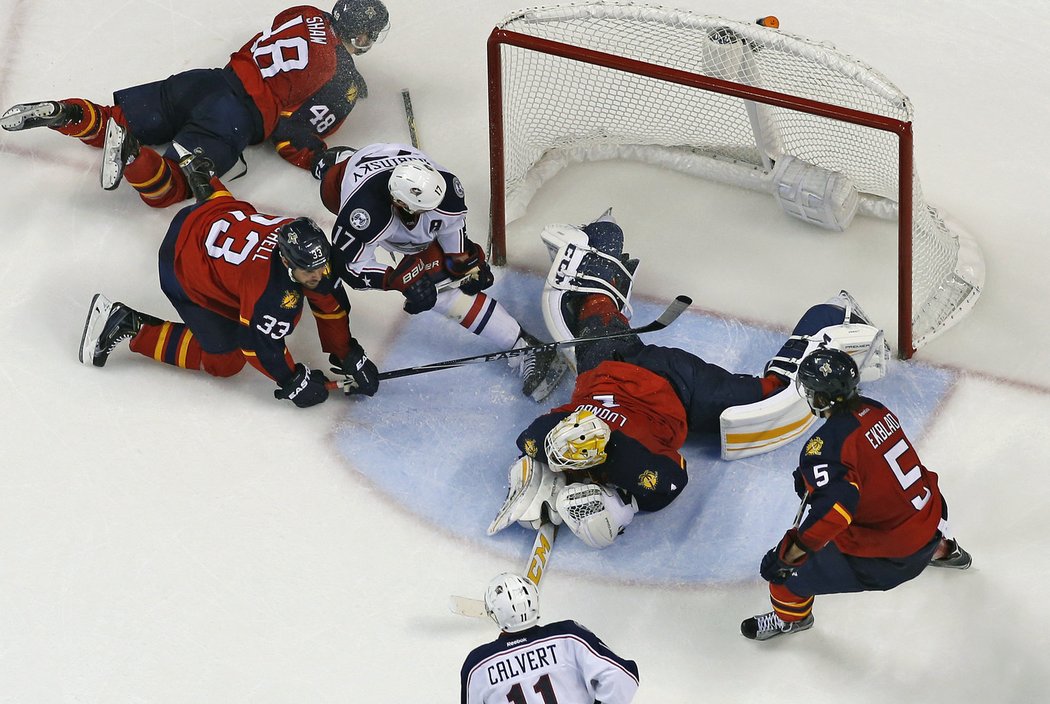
{"type": "Point", "coordinates": [416, 186]}
{"type": "Point", "coordinates": [512, 602]}
{"type": "Point", "coordinates": [577, 442]}
{"type": "Point", "coordinates": [827, 377]}
{"type": "Point", "coordinates": [353, 19]}
{"type": "Point", "coordinates": [303, 244]}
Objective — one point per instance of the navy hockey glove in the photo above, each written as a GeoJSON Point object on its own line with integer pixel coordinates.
{"type": "Point", "coordinates": [307, 388]}
{"type": "Point", "coordinates": [470, 266]}
{"type": "Point", "coordinates": [360, 372]}
{"type": "Point", "coordinates": [775, 568]}
{"type": "Point", "coordinates": [329, 157]}
{"type": "Point", "coordinates": [420, 296]}
{"type": "Point", "coordinates": [800, 483]}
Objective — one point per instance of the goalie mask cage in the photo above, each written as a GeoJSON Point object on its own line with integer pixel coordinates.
{"type": "Point", "coordinates": [722, 100]}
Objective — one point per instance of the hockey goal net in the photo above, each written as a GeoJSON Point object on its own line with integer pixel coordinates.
{"type": "Point", "coordinates": [723, 100]}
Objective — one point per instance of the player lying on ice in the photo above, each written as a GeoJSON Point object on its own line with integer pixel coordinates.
{"type": "Point", "coordinates": [292, 83]}
{"type": "Point", "coordinates": [238, 278]}
{"type": "Point", "coordinates": [876, 517]}
{"type": "Point", "coordinates": [613, 449]}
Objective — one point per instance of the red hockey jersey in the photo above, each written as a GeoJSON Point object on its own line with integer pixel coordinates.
{"type": "Point", "coordinates": [869, 492]}
{"type": "Point", "coordinates": [226, 260]}
{"type": "Point", "coordinates": [287, 63]}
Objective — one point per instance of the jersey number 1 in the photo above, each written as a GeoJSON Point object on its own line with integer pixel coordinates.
{"type": "Point", "coordinates": [543, 687]}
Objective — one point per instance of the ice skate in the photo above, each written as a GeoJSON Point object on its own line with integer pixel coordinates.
{"type": "Point", "coordinates": [119, 150]}
{"type": "Point", "coordinates": [49, 113]}
{"type": "Point", "coordinates": [198, 170]}
{"type": "Point", "coordinates": [107, 325]}
{"type": "Point", "coordinates": [541, 370]}
{"type": "Point", "coordinates": [954, 556]}
{"type": "Point", "coordinates": [770, 625]}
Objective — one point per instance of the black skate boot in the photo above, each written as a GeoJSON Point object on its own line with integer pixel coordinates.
{"type": "Point", "coordinates": [107, 325]}
{"type": "Point", "coordinates": [540, 370]}
{"type": "Point", "coordinates": [770, 625]}
{"type": "Point", "coordinates": [954, 558]}
{"type": "Point", "coordinates": [198, 170]}
{"type": "Point", "coordinates": [119, 150]}
{"type": "Point", "coordinates": [50, 113]}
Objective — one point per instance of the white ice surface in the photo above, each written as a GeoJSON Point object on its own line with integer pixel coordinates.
{"type": "Point", "coordinates": [168, 537]}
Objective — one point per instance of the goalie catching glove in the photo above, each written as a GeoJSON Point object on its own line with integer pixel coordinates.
{"type": "Point", "coordinates": [362, 376]}
{"type": "Point", "coordinates": [307, 388]}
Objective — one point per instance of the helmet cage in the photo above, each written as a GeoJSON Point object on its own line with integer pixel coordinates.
{"type": "Point", "coordinates": [577, 442]}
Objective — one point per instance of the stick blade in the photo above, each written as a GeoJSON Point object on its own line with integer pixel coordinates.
{"type": "Point", "coordinates": [465, 606]}
{"type": "Point", "coordinates": [675, 309]}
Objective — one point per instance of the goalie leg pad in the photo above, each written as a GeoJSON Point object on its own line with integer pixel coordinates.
{"type": "Point", "coordinates": [595, 513]}
{"type": "Point", "coordinates": [815, 195]}
{"type": "Point", "coordinates": [532, 487]}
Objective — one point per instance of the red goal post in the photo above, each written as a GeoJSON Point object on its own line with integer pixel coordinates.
{"type": "Point", "coordinates": [722, 100]}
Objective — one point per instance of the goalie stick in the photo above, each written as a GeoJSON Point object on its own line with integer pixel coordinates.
{"type": "Point", "coordinates": [670, 314]}
{"type": "Point", "coordinates": [535, 568]}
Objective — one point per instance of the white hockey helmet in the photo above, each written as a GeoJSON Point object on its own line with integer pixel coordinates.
{"type": "Point", "coordinates": [416, 186]}
{"type": "Point", "coordinates": [513, 602]}
{"type": "Point", "coordinates": [577, 442]}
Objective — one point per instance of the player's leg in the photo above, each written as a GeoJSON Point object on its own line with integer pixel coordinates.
{"type": "Point", "coordinates": [75, 117]}
{"type": "Point", "coordinates": [485, 317]}
{"type": "Point", "coordinates": [198, 109]}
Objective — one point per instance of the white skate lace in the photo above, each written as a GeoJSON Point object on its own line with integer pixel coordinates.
{"type": "Point", "coordinates": [771, 622]}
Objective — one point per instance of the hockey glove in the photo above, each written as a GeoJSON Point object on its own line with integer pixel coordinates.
{"type": "Point", "coordinates": [328, 158]}
{"type": "Point", "coordinates": [470, 266]}
{"type": "Point", "coordinates": [800, 483]}
{"type": "Point", "coordinates": [361, 374]}
{"type": "Point", "coordinates": [307, 388]}
{"type": "Point", "coordinates": [420, 296]}
{"type": "Point", "coordinates": [775, 567]}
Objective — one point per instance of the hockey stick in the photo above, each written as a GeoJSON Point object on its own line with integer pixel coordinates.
{"type": "Point", "coordinates": [410, 116]}
{"type": "Point", "coordinates": [535, 568]}
{"type": "Point", "coordinates": [670, 314]}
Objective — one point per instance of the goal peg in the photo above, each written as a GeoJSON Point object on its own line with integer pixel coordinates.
{"type": "Point", "coordinates": [770, 21]}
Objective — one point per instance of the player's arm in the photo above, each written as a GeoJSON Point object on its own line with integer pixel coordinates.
{"type": "Point", "coordinates": [832, 501]}
{"type": "Point", "coordinates": [610, 678]}
{"type": "Point", "coordinates": [266, 320]}
{"type": "Point", "coordinates": [331, 309]}
{"type": "Point", "coordinates": [300, 134]}
{"type": "Point", "coordinates": [654, 480]}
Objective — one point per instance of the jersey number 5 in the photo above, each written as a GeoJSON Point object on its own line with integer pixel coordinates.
{"type": "Point", "coordinates": [906, 477]}
{"type": "Point", "coordinates": [543, 687]}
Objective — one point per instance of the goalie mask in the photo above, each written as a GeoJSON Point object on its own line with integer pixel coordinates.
{"type": "Point", "coordinates": [512, 602]}
{"type": "Point", "coordinates": [577, 442]}
{"type": "Point", "coordinates": [827, 377]}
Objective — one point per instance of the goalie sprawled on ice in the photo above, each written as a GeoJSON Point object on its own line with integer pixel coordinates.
{"type": "Point", "coordinates": [613, 449]}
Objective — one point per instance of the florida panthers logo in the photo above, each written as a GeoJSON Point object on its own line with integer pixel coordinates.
{"type": "Point", "coordinates": [359, 219]}
{"type": "Point", "coordinates": [648, 479]}
{"type": "Point", "coordinates": [530, 447]}
{"type": "Point", "coordinates": [290, 300]}
{"type": "Point", "coordinates": [814, 446]}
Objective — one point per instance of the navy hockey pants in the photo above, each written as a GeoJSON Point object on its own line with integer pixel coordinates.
{"type": "Point", "coordinates": [828, 571]}
{"type": "Point", "coordinates": [205, 108]}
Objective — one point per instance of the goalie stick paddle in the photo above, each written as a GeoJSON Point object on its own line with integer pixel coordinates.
{"type": "Point", "coordinates": [535, 568]}
{"type": "Point", "coordinates": [670, 314]}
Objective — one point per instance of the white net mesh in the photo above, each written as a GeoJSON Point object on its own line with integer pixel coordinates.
{"type": "Point", "coordinates": [560, 110]}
